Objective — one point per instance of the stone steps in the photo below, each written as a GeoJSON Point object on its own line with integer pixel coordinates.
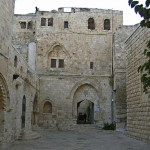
{"type": "Point", "coordinates": [28, 135]}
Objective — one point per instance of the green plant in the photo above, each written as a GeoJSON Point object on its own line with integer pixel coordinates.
{"type": "Point", "coordinates": [109, 126]}
{"type": "Point", "coordinates": [144, 12]}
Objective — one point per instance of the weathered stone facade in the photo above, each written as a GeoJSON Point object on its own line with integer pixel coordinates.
{"type": "Point", "coordinates": [138, 103]}
{"type": "Point", "coordinates": [87, 56]}
{"type": "Point", "coordinates": [61, 68]}
{"type": "Point", "coordinates": [18, 83]}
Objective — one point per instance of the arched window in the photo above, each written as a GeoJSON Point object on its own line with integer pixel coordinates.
{"type": "Point", "coordinates": [47, 108]}
{"type": "Point", "coordinates": [57, 58]}
{"type": "Point", "coordinates": [91, 24]}
{"type": "Point", "coordinates": [106, 24]}
{"type": "Point", "coordinates": [15, 61]}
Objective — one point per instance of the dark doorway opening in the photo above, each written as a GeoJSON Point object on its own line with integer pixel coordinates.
{"type": "Point", "coordinates": [23, 117]}
{"type": "Point", "coordinates": [85, 112]}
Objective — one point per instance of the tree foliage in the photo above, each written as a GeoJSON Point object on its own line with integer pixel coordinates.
{"type": "Point", "coordinates": [144, 12]}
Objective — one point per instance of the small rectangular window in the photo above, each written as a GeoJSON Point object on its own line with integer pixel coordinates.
{"type": "Point", "coordinates": [29, 25]}
{"type": "Point", "coordinates": [43, 21]}
{"type": "Point", "coordinates": [23, 25]}
{"type": "Point", "coordinates": [65, 24]}
{"type": "Point", "coordinates": [91, 65]}
{"type": "Point", "coordinates": [61, 63]}
{"type": "Point", "coordinates": [53, 63]}
{"type": "Point", "coordinates": [50, 22]}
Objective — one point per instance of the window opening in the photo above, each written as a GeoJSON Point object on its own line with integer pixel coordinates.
{"type": "Point", "coordinates": [29, 25]}
{"type": "Point", "coordinates": [106, 24]}
{"type": "Point", "coordinates": [91, 24]}
{"type": "Point", "coordinates": [53, 63]}
{"type": "Point", "coordinates": [43, 21]}
{"type": "Point", "coordinates": [65, 24]}
{"type": "Point", "coordinates": [50, 22]}
{"type": "Point", "coordinates": [91, 65]}
{"type": "Point", "coordinates": [23, 25]}
{"type": "Point", "coordinates": [61, 63]}
{"type": "Point", "coordinates": [15, 61]}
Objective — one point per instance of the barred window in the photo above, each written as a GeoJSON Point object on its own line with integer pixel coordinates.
{"type": "Point", "coordinates": [53, 63]}
{"type": "Point", "coordinates": [61, 63]}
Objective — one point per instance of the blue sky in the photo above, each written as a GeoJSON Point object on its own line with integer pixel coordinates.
{"type": "Point", "coordinates": [28, 6]}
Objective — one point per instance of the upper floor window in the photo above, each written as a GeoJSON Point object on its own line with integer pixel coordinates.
{"type": "Point", "coordinates": [106, 24]}
{"type": "Point", "coordinates": [57, 63]}
{"type": "Point", "coordinates": [61, 63]}
{"type": "Point", "coordinates": [91, 65]}
{"type": "Point", "coordinates": [43, 21]}
{"type": "Point", "coordinates": [50, 21]}
{"type": "Point", "coordinates": [23, 25]}
{"type": "Point", "coordinates": [66, 24]}
{"type": "Point", "coordinates": [53, 63]}
{"type": "Point", "coordinates": [91, 24]}
{"type": "Point", "coordinates": [29, 25]}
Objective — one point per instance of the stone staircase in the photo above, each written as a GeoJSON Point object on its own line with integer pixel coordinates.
{"type": "Point", "coordinates": [28, 135]}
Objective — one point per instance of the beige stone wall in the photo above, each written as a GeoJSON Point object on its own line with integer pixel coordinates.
{"type": "Point", "coordinates": [12, 90]}
{"type": "Point", "coordinates": [119, 92]}
{"type": "Point", "coordinates": [138, 103]}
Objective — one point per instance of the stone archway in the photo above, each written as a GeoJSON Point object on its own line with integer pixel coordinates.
{"type": "Point", "coordinates": [87, 96]}
{"type": "Point", "coordinates": [85, 112]}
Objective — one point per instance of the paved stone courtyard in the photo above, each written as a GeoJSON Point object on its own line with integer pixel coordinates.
{"type": "Point", "coordinates": [83, 139]}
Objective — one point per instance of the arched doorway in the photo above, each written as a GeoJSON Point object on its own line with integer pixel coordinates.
{"type": "Point", "coordinates": [23, 117]}
{"type": "Point", "coordinates": [35, 111]}
{"type": "Point", "coordinates": [85, 112]}
{"type": "Point", "coordinates": [85, 100]}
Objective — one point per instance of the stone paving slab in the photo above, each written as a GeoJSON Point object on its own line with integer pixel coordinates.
{"type": "Point", "coordinates": [81, 140]}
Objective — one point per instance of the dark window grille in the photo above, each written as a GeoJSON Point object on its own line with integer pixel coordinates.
{"type": "Point", "coordinates": [61, 63]}
{"type": "Point", "coordinates": [53, 63]}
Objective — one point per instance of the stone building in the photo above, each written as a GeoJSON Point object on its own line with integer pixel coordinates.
{"type": "Point", "coordinates": [19, 84]}
{"type": "Point", "coordinates": [138, 103]}
{"type": "Point", "coordinates": [73, 52]}
{"type": "Point", "coordinates": [61, 68]}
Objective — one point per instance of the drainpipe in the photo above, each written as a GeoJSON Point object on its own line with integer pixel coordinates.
{"type": "Point", "coordinates": [112, 74]}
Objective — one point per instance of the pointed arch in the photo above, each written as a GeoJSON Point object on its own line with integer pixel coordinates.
{"type": "Point", "coordinates": [91, 24]}
{"type": "Point", "coordinates": [79, 92]}
{"type": "Point", "coordinates": [57, 57]}
{"type": "Point", "coordinates": [106, 24]}
{"type": "Point", "coordinates": [56, 44]}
